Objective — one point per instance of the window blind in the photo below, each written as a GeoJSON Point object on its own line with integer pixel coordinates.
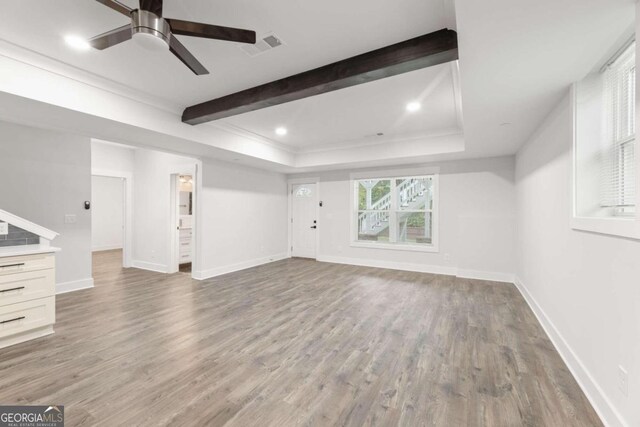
{"type": "Point", "coordinates": [618, 165]}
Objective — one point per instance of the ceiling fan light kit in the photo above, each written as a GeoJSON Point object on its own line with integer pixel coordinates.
{"type": "Point", "coordinates": [151, 30]}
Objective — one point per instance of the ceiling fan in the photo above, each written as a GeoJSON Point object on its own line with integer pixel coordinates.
{"type": "Point", "coordinates": [153, 31]}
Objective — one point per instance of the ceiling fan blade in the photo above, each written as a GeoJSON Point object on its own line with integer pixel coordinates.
{"type": "Point", "coordinates": [117, 6]}
{"type": "Point", "coordinates": [153, 6]}
{"type": "Point", "coordinates": [186, 57]}
{"type": "Point", "coordinates": [111, 38]}
{"type": "Point", "coordinates": [217, 32]}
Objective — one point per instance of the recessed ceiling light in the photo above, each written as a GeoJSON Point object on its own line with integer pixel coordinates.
{"type": "Point", "coordinates": [77, 42]}
{"type": "Point", "coordinates": [281, 131]}
{"type": "Point", "coordinates": [412, 107]}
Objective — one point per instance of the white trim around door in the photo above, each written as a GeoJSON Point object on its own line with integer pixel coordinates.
{"type": "Point", "coordinates": [127, 246]}
{"type": "Point", "coordinates": [291, 183]}
{"type": "Point", "coordinates": [193, 169]}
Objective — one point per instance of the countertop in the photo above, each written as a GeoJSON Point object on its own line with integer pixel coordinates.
{"type": "Point", "coordinates": [7, 251]}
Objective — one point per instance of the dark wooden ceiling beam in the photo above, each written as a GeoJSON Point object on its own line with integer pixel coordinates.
{"type": "Point", "coordinates": [421, 52]}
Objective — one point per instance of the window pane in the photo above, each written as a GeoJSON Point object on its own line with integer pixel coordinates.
{"type": "Point", "coordinates": [373, 226]}
{"type": "Point", "coordinates": [374, 194]}
{"type": "Point", "coordinates": [415, 193]}
{"type": "Point", "coordinates": [303, 191]}
{"type": "Point", "coordinates": [414, 227]}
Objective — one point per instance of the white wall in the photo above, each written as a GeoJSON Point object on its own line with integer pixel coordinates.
{"type": "Point", "coordinates": [243, 217]}
{"type": "Point", "coordinates": [584, 287]}
{"type": "Point", "coordinates": [242, 210]}
{"type": "Point", "coordinates": [107, 218]}
{"type": "Point", "coordinates": [477, 222]}
{"type": "Point", "coordinates": [151, 207]}
{"type": "Point", "coordinates": [111, 157]}
{"type": "Point", "coordinates": [47, 175]}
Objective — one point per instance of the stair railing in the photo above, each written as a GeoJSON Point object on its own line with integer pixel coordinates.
{"type": "Point", "coordinates": [377, 221]}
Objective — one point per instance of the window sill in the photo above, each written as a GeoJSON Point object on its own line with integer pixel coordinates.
{"type": "Point", "coordinates": [616, 226]}
{"type": "Point", "coordinates": [396, 247]}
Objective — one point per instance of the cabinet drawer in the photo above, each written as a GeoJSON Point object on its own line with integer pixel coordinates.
{"type": "Point", "coordinates": [25, 316]}
{"type": "Point", "coordinates": [26, 286]}
{"type": "Point", "coordinates": [20, 264]}
{"type": "Point", "coordinates": [185, 257]}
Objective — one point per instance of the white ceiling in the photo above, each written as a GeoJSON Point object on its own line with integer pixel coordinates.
{"type": "Point", "coordinates": [517, 59]}
{"type": "Point", "coordinates": [516, 62]}
{"type": "Point", "coordinates": [315, 33]}
{"type": "Point", "coordinates": [355, 116]}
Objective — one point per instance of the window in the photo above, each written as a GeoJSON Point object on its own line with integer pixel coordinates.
{"type": "Point", "coordinates": [303, 192]}
{"type": "Point", "coordinates": [605, 165]}
{"type": "Point", "coordinates": [395, 211]}
{"type": "Point", "coordinates": [618, 165]}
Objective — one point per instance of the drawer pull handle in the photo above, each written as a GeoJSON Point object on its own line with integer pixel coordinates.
{"type": "Point", "coordinates": [12, 320]}
{"type": "Point", "coordinates": [12, 289]}
{"type": "Point", "coordinates": [12, 265]}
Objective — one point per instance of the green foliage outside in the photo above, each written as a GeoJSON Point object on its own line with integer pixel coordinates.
{"type": "Point", "coordinates": [416, 220]}
{"type": "Point", "coordinates": [381, 189]}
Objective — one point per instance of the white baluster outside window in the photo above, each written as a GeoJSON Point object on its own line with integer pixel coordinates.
{"type": "Point", "coordinates": [397, 212]}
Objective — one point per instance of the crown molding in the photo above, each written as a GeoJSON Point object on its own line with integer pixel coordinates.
{"type": "Point", "coordinates": [43, 62]}
{"type": "Point", "coordinates": [391, 139]}
{"type": "Point", "coordinates": [236, 130]}
{"type": "Point", "coordinates": [371, 141]}
{"type": "Point", "coordinates": [58, 68]}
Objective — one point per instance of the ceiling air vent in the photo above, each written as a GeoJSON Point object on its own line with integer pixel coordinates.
{"type": "Point", "coordinates": [263, 44]}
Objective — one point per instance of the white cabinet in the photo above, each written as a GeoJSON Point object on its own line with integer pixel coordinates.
{"type": "Point", "coordinates": [27, 297]}
{"type": "Point", "coordinates": [186, 239]}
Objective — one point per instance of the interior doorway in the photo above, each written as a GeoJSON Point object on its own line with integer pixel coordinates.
{"type": "Point", "coordinates": [108, 214]}
{"type": "Point", "coordinates": [304, 220]}
{"type": "Point", "coordinates": [182, 221]}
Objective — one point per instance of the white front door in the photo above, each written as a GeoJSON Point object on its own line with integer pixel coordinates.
{"type": "Point", "coordinates": [304, 221]}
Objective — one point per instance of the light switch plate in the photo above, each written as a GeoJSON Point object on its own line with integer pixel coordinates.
{"type": "Point", "coordinates": [70, 219]}
{"type": "Point", "coordinates": [4, 228]}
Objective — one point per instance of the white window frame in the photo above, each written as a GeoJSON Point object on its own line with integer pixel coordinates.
{"type": "Point", "coordinates": [616, 225]}
{"type": "Point", "coordinates": [389, 175]}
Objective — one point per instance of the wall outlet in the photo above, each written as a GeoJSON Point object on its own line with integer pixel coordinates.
{"type": "Point", "coordinates": [4, 228]}
{"type": "Point", "coordinates": [70, 219]}
{"type": "Point", "coordinates": [623, 380]}
{"type": "Point", "coordinates": [447, 257]}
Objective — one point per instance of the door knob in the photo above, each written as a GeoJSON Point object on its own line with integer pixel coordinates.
{"type": "Point", "coordinates": [313, 226]}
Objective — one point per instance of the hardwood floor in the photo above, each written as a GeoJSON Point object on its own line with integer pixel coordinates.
{"type": "Point", "coordinates": [294, 342]}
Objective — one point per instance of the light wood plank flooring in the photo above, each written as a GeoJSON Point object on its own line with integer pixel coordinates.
{"type": "Point", "coordinates": [295, 342]}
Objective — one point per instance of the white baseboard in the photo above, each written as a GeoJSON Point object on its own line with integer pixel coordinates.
{"type": "Point", "coordinates": [76, 285]}
{"type": "Point", "coordinates": [422, 268]}
{"type": "Point", "coordinates": [143, 265]}
{"type": "Point", "coordinates": [486, 275]}
{"type": "Point", "coordinates": [406, 266]}
{"type": "Point", "coordinates": [598, 399]}
{"type": "Point", "coordinates": [106, 248]}
{"type": "Point", "coordinates": [219, 271]}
